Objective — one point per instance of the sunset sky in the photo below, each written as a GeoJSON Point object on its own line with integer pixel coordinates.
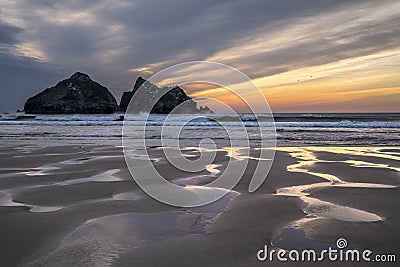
{"type": "Point", "coordinates": [305, 56]}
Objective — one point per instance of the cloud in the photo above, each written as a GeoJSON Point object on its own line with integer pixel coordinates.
{"type": "Point", "coordinates": [116, 42]}
{"type": "Point", "coordinates": [22, 77]}
{"type": "Point", "coordinates": [323, 38]}
{"type": "Point", "coordinates": [8, 35]}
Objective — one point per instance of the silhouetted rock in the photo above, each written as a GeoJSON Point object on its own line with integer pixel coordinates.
{"type": "Point", "coordinates": [174, 98]}
{"type": "Point", "coordinates": [127, 96]}
{"type": "Point", "coordinates": [78, 94]}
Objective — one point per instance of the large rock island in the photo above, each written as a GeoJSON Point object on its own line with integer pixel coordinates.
{"type": "Point", "coordinates": [77, 95]}
{"type": "Point", "coordinates": [172, 97]}
{"type": "Point", "coordinates": [81, 95]}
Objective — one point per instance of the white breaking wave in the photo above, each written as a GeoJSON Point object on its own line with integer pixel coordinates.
{"type": "Point", "coordinates": [341, 124]}
{"type": "Point", "coordinates": [79, 118]}
{"type": "Point", "coordinates": [100, 122]}
{"type": "Point", "coordinates": [249, 120]}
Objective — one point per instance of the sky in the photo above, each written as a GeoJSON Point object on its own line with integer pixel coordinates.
{"type": "Point", "coordinates": [305, 56]}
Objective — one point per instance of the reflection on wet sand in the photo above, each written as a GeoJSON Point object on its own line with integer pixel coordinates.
{"type": "Point", "coordinates": [99, 241]}
{"type": "Point", "coordinates": [314, 208]}
{"type": "Point", "coordinates": [6, 196]}
{"type": "Point", "coordinates": [104, 214]}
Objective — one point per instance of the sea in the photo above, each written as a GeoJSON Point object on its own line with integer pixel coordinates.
{"type": "Point", "coordinates": [291, 129]}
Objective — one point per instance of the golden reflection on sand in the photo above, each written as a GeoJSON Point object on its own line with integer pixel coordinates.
{"type": "Point", "coordinates": [317, 208]}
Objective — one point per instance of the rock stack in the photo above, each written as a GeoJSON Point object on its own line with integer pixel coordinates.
{"type": "Point", "coordinates": [76, 95]}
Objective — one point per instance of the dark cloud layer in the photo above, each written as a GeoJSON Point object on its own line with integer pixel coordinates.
{"type": "Point", "coordinates": [113, 41]}
{"type": "Point", "coordinates": [22, 77]}
{"type": "Point", "coordinates": [8, 35]}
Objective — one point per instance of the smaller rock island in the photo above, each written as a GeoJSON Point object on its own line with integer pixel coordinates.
{"type": "Point", "coordinates": [170, 98]}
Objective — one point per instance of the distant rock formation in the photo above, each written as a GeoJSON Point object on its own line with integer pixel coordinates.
{"type": "Point", "coordinates": [127, 96]}
{"type": "Point", "coordinates": [78, 94]}
{"type": "Point", "coordinates": [174, 98]}
{"type": "Point", "coordinates": [81, 95]}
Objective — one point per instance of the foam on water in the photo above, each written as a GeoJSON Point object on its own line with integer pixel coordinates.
{"type": "Point", "coordinates": [292, 129]}
{"type": "Point", "coordinates": [338, 121]}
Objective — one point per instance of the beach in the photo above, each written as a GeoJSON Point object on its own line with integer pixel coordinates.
{"type": "Point", "coordinates": [77, 205]}
{"type": "Point", "coordinates": [199, 134]}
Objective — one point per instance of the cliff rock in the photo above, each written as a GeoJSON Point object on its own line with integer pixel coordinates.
{"type": "Point", "coordinates": [77, 94]}
{"type": "Point", "coordinates": [173, 98]}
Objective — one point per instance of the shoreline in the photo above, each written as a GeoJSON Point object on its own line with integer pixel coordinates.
{"type": "Point", "coordinates": [91, 187]}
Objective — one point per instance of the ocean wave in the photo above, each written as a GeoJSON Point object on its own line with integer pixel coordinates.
{"type": "Point", "coordinates": [79, 118]}
{"type": "Point", "coordinates": [61, 123]}
{"type": "Point", "coordinates": [282, 121]}
{"type": "Point", "coordinates": [7, 117]}
{"type": "Point", "coordinates": [103, 122]}
{"type": "Point", "coordinates": [337, 117]}
{"type": "Point", "coordinates": [340, 124]}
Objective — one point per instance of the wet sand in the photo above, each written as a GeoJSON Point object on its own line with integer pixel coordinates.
{"type": "Point", "coordinates": [78, 206]}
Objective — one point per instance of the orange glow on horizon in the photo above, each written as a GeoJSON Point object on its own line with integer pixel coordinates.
{"type": "Point", "coordinates": [364, 84]}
